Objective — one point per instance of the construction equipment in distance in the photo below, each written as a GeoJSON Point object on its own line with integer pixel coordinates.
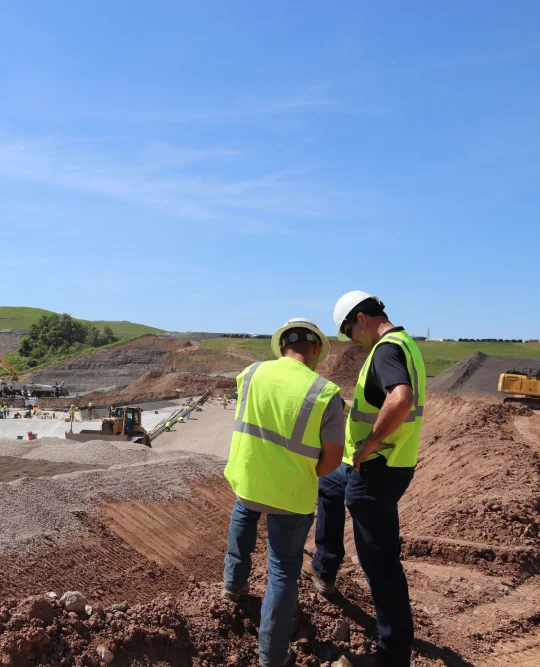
{"type": "Point", "coordinates": [15, 388]}
{"type": "Point", "coordinates": [125, 425]}
{"type": "Point", "coordinates": [524, 385]}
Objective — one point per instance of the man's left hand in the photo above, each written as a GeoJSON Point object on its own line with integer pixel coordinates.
{"type": "Point", "coordinates": [367, 448]}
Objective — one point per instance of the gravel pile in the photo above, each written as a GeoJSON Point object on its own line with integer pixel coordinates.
{"type": "Point", "coordinates": [10, 447]}
{"type": "Point", "coordinates": [479, 374]}
{"type": "Point", "coordinates": [93, 452]}
{"type": "Point", "coordinates": [37, 508]}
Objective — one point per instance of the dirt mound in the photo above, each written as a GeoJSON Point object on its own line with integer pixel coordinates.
{"type": "Point", "coordinates": [477, 484]}
{"type": "Point", "coordinates": [112, 367]}
{"type": "Point", "coordinates": [478, 373]}
{"type": "Point", "coordinates": [40, 631]}
{"type": "Point", "coordinates": [346, 369]}
{"type": "Point", "coordinates": [155, 384]}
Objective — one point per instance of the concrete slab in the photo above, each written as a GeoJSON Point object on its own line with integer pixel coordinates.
{"type": "Point", "coordinates": [153, 414]}
{"type": "Point", "coordinates": [208, 432]}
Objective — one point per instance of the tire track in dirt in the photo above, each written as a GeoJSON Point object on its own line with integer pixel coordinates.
{"type": "Point", "coordinates": [176, 532]}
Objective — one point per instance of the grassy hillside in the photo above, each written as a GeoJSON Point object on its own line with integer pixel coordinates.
{"type": "Point", "coordinates": [15, 317]}
{"type": "Point", "coordinates": [258, 348]}
{"type": "Point", "coordinates": [437, 355]}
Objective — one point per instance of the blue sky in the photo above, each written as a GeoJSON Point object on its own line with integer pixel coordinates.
{"type": "Point", "coordinates": [225, 166]}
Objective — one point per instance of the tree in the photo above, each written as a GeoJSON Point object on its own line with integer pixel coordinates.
{"type": "Point", "coordinates": [62, 334]}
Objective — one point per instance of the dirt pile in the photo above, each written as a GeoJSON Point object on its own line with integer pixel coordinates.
{"type": "Point", "coordinates": [113, 367]}
{"type": "Point", "coordinates": [478, 373]}
{"type": "Point", "coordinates": [155, 384]}
{"type": "Point", "coordinates": [39, 630]}
{"type": "Point", "coordinates": [476, 487]}
{"type": "Point", "coordinates": [346, 369]}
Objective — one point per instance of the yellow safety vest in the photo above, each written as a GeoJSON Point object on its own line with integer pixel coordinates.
{"type": "Point", "coordinates": [363, 415]}
{"type": "Point", "coordinates": [276, 441]}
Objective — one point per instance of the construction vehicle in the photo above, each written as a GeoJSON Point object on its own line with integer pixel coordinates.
{"type": "Point", "coordinates": [524, 385]}
{"type": "Point", "coordinates": [15, 388]}
{"type": "Point", "coordinates": [124, 425]}
{"type": "Point", "coordinates": [5, 363]}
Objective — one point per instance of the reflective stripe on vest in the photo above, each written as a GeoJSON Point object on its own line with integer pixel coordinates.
{"type": "Point", "coordinates": [294, 443]}
{"type": "Point", "coordinates": [276, 440]}
{"type": "Point", "coordinates": [403, 444]}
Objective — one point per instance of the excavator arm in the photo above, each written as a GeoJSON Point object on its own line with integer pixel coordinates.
{"type": "Point", "coordinates": [9, 367]}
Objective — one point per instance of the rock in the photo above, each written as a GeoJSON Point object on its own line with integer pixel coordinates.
{"type": "Point", "coordinates": [88, 610]}
{"type": "Point", "coordinates": [95, 622]}
{"type": "Point", "coordinates": [5, 614]}
{"type": "Point", "coordinates": [106, 655]}
{"type": "Point", "coordinates": [41, 609]}
{"type": "Point", "coordinates": [342, 662]}
{"type": "Point", "coordinates": [74, 601]}
{"type": "Point", "coordinates": [341, 632]}
{"type": "Point", "coordinates": [52, 595]}
{"type": "Point", "coordinates": [123, 607]}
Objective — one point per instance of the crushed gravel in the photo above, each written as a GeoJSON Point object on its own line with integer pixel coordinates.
{"type": "Point", "coordinates": [93, 452]}
{"type": "Point", "coordinates": [38, 508]}
{"type": "Point", "coordinates": [10, 447]}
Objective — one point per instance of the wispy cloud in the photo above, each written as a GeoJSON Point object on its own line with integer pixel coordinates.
{"type": "Point", "coordinates": [155, 178]}
{"type": "Point", "coordinates": [315, 98]}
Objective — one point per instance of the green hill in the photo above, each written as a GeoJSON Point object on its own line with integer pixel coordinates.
{"type": "Point", "coordinates": [16, 317]}
{"type": "Point", "coordinates": [438, 356]}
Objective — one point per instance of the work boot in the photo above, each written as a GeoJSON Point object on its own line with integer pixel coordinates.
{"type": "Point", "coordinates": [289, 660]}
{"type": "Point", "coordinates": [321, 586]}
{"type": "Point", "coordinates": [234, 596]}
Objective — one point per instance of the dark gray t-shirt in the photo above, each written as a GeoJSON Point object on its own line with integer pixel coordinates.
{"type": "Point", "coordinates": [332, 431]}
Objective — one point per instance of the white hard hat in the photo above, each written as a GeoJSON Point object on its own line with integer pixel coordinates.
{"type": "Point", "coordinates": [302, 323]}
{"type": "Point", "coordinates": [346, 304]}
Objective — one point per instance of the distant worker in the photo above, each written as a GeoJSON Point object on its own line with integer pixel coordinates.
{"type": "Point", "coordinates": [289, 429]}
{"type": "Point", "coordinates": [168, 426]}
{"type": "Point", "coordinates": [225, 402]}
{"type": "Point", "coordinates": [199, 407]}
{"type": "Point", "coordinates": [381, 452]}
{"type": "Point", "coordinates": [90, 410]}
{"type": "Point", "coordinates": [180, 420]}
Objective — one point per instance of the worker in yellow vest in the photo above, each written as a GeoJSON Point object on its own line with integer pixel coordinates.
{"type": "Point", "coordinates": [381, 452]}
{"type": "Point", "coordinates": [288, 430]}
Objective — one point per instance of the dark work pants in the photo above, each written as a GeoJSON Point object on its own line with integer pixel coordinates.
{"type": "Point", "coordinates": [371, 496]}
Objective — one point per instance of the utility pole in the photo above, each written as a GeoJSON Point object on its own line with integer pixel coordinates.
{"type": "Point", "coordinates": [428, 333]}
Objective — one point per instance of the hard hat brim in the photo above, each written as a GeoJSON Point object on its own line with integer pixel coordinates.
{"type": "Point", "coordinates": [300, 325]}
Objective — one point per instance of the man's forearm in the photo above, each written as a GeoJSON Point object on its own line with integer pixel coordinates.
{"type": "Point", "coordinates": [394, 412]}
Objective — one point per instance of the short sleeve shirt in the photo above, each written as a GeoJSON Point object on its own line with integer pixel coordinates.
{"type": "Point", "coordinates": [388, 368]}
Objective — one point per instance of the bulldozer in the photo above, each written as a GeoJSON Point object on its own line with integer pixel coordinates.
{"type": "Point", "coordinates": [524, 385]}
{"type": "Point", "coordinates": [124, 425]}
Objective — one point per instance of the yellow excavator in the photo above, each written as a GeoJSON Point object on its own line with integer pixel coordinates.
{"type": "Point", "coordinates": [524, 385]}
{"type": "Point", "coordinates": [5, 363]}
{"type": "Point", "coordinates": [124, 425]}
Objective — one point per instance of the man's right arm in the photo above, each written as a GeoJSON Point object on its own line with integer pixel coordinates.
{"type": "Point", "coordinates": [332, 437]}
{"type": "Point", "coordinates": [330, 459]}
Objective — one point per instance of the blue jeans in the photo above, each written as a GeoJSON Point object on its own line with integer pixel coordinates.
{"type": "Point", "coordinates": [287, 536]}
{"type": "Point", "coordinates": [371, 496]}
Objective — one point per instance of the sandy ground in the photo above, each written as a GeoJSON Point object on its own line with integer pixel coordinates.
{"type": "Point", "coordinates": [207, 432]}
